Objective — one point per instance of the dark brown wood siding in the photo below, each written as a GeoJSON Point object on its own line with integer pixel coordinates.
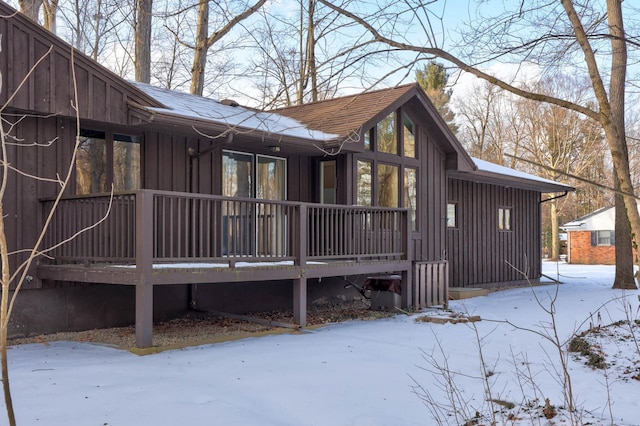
{"type": "Point", "coordinates": [480, 253]}
{"type": "Point", "coordinates": [102, 96]}
{"type": "Point", "coordinates": [429, 243]}
{"type": "Point", "coordinates": [168, 166]}
{"type": "Point", "coordinates": [22, 208]}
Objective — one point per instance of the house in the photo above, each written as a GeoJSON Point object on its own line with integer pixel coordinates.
{"type": "Point", "coordinates": [220, 207]}
{"type": "Point", "coordinates": [591, 238]}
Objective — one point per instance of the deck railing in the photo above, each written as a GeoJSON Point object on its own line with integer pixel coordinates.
{"type": "Point", "coordinates": [160, 226]}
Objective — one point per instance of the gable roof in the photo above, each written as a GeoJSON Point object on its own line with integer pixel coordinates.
{"type": "Point", "coordinates": [349, 115]}
{"type": "Point", "coordinates": [601, 219]}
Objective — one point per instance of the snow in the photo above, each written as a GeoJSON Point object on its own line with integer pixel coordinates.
{"type": "Point", "coordinates": [199, 107]}
{"type": "Point", "coordinates": [354, 373]}
{"type": "Point", "coordinates": [486, 166]}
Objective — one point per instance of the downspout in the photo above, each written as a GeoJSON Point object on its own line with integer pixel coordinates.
{"type": "Point", "coordinates": [193, 155]}
{"type": "Point", "coordinates": [566, 192]}
{"type": "Point", "coordinates": [554, 198]}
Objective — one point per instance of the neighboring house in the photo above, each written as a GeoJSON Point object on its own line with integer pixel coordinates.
{"type": "Point", "coordinates": [591, 238]}
{"type": "Point", "coordinates": [221, 207]}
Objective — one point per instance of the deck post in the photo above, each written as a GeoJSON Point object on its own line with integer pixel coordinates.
{"type": "Point", "coordinates": [144, 267]}
{"type": "Point", "coordinates": [300, 301]}
{"type": "Point", "coordinates": [144, 315]}
{"type": "Point", "coordinates": [302, 249]}
{"type": "Point", "coordinates": [407, 276]}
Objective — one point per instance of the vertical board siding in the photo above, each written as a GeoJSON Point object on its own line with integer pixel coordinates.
{"type": "Point", "coordinates": [103, 96]}
{"type": "Point", "coordinates": [430, 245]}
{"type": "Point", "coordinates": [481, 254]}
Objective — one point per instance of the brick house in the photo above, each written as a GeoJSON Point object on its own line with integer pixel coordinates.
{"type": "Point", "coordinates": [591, 238]}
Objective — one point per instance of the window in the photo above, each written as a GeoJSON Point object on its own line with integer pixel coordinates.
{"type": "Point", "coordinates": [271, 182]}
{"type": "Point", "coordinates": [363, 190]}
{"type": "Point", "coordinates": [409, 138]}
{"type": "Point", "coordinates": [388, 170]}
{"type": "Point", "coordinates": [104, 159]}
{"type": "Point", "coordinates": [388, 185]}
{"type": "Point", "coordinates": [452, 215]}
{"type": "Point", "coordinates": [411, 193]}
{"type": "Point", "coordinates": [126, 163]}
{"type": "Point", "coordinates": [238, 176]}
{"type": "Point", "coordinates": [328, 184]}
{"type": "Point", "coordinates": [367, 140]}
{"type": "Point", "coordinates": [602, 238]}
{"type": "Point", "coordinates": [504, 219]}
{"type": "Point", "coordinates": [386, 140]}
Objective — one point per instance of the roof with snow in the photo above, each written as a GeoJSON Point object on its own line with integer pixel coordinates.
{"type": "Point", "coordinates": [230, 115]}
{"type": "Point", "coordinates": [599, 220]}
{"type": "Point", "coordinates": [496, 174]}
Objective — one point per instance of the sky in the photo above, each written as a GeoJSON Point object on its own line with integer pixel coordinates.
{"type": "Point", "coordinates": [355, 373]}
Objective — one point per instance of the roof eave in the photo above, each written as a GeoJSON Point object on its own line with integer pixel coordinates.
{"type": "Point", "coordinates": [213, 129]}
{"type": "Point", "coordinates": [511, 181]}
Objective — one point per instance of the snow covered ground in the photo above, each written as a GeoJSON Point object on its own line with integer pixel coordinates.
{"type": "Point", "coordinates": [395, 371]}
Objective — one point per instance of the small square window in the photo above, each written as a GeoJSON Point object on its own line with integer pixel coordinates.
{"type": "Point", "coordinates": [504, 219]}
{"type": "Point", "coordinates": [452, 215]}
{"type": "Point", "coordinates": [604, 238]}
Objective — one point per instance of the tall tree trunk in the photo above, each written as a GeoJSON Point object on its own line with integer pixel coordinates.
{"type": "Point", "coordinates": [204, 42]}
{"type": "Point", "coordinates": [311, 51]}
{"type": "Point", "coordinates": [142, 36]}
{"type": "Point", "coordinates": [626, 208]}
{"type": "Point", "coordinates": [50, 8]}
{"type": "Point", "coordinates": [624, 278]}
{"type": "Point", "coordinates": [201, 49]}
{"type": "Point", "coordinates": [31, 8]}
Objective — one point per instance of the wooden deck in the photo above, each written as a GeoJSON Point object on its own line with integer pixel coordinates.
{"type": "Point", "coordinates": [147, 238]}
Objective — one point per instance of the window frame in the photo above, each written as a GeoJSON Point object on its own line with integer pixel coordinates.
{"type": "Point", "coordinates": [600, 238]}
{"type": "Point", "coordinates": [376, 158]}
{"type": "Point", "coordinates": [255, 164]}
{"type": "Point", "coordinates": [453, 204]}
{"type": "Point", "coordinates": [109, 138]}
{"type": "Point", "coordinates": [505, 219]}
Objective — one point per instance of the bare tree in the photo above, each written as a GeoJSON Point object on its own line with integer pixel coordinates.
{"type": "Point", "coordinates": [204, 41]}
{"type": "Point", "coordinates": [142, 36]}
{"type": "Point", "coordinates": [486, 118]}
{"type": "Point", "coordinates": [49, 8]}
{"type": "Point", "coordinates": [560, 139]}
{"type": "Point", "coordinates": [31, 8]}
{"type": "Point", "coordinates": [590, 38]}
{"type": "Point", "coordinates": [310, 54]}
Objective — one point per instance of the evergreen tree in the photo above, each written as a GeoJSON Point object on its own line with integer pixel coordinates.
{"type": "Point", "coordinates": [433, 79]}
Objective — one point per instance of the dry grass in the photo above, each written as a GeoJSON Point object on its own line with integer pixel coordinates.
{"type": "Point", "coordinates": [196, 328]}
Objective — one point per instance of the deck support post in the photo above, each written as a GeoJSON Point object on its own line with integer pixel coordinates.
{"type": "Point", "coordinates": [300, 301]}
{"type": "Point", "coordinates": [407, 275]}
{"type": "Point", "coordinates": [144, 267]}
{"type": "Point", "coordinates": [407, 289]}
{"type": "Point", "coordinates": [144, 315]}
